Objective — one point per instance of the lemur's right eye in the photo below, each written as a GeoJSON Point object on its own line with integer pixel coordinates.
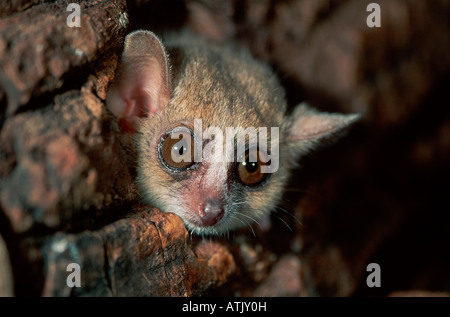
{"type": "Point", "coordinates": [177, 150]}
{"type": "Point", "coordinates": [249, 172]}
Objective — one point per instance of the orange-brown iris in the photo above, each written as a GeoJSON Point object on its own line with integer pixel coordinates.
{"type": "Point", "coordinates": [249, 173]}
{"type": "Point", "coordinates": [177, 150]}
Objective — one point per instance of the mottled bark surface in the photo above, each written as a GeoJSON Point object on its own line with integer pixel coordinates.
{"type": "Point", "coordinates": [379, 195]}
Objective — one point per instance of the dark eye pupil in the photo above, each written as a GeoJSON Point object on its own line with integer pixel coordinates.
{"type": "Point", "coordinates": [181, 150]}
{"type": "Point", "coordinates": [251, 167]}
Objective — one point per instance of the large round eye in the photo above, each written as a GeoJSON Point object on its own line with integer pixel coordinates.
{"type": "Point", "coordinates": [249, 171]}
{"type": "Point", "coordinates": [177, 150]}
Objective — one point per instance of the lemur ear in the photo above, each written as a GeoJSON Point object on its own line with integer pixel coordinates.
{"type": "Point", "coordinates": [142, 84]}
{"type": "Point", "coordinates": [307, 126]}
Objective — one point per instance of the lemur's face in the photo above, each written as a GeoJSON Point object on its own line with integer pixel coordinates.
{"type": "Point", "coordinates": [214, 144]}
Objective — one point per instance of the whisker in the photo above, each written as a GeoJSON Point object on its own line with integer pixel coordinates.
{"type": "Point", "coordinates": [290, 229]}
{"type": "Point", "coordinates": [251, 228]}
{"type": "Point", "coordinates": [308, 193]}
{"type": "Point", "coordinates": [245, 223]}
{"type": "Point", "coordinates": [192, 233]}
{"type": "Point", "coordinates": [253, 219]}
{"type": "Point", "coordinates": [290, 214]}
{"type": "Point", "coordinates": [299, 190]}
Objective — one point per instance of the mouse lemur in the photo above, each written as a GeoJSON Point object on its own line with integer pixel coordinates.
{"type": "Point", "coordinates": [207, 130]}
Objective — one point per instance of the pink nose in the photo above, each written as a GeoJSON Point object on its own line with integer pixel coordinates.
{"type": "Point", "coordinates": [211, 212]}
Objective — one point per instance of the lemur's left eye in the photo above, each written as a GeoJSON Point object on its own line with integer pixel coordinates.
{"type": "Point", "coordinates": [177, 150]}
{"type": "Point", "coordinates": [249, 171]}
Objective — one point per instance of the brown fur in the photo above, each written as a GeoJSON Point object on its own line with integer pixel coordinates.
{"type": "Point", "coordinates": [225, 87]}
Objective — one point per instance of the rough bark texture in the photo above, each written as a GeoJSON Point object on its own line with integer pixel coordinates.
{"type": "Point", "coordinates": [380, 195]}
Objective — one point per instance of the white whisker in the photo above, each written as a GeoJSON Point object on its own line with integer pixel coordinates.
{"type": "Point", "coordinates": [247, 223]}
{"type": "Point", "coordinates": [290, 214]}
{"type": "Point", "coordinates": [290, 229]}
{"type": "Point", "coordinates": [247, 216]}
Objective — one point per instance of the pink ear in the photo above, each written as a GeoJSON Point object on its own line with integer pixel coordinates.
{"type": "Point", "coordinates": [142, 86]}
{"type": "Point", "coordinates": [307, 126]}
{"type": "Point", "coordinates": [308, 123]}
